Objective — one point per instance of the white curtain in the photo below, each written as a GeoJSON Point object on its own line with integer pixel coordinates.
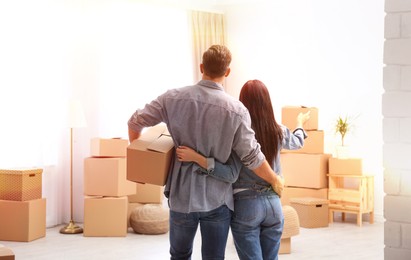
{"type": "Point", "coordinates": [207, 29]}
{"type": "Point", "coordinates": [114, 56]}
{"type": "Point", "coordinates": [33, 90]}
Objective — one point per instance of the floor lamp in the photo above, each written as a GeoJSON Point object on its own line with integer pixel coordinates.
{"type": "Point", "coordinates": [76, 119]}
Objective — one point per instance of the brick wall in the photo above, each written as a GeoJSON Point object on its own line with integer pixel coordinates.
{"type": "Point", "coordinates": [396, 110]}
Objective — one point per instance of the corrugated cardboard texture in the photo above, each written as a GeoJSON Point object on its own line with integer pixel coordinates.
{"type": "Point", "coordinates": [108, 147]}
{"type": "Point", "coordinates": [22, 221]}
{"type": "Point", "coordinates": [107, 177]}
{"type": "Point", "coordinates": [289, 117]}
{"type": "Point", "coordinates": [146, 165]}
{"type": "Point", "coordinates": [105, 216]}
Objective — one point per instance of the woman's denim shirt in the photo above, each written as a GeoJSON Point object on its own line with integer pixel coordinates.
{"type": "Point", "coordinates": [248, 183]}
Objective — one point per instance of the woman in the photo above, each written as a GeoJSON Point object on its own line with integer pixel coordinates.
{"type": "Point", "coordinates": [257, 222]}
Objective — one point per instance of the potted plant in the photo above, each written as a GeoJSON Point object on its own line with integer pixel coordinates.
{"type": "Point", "coordinates": [342, 126]}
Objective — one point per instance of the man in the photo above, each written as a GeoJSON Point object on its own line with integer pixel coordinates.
{"type": "Point", "coordinates": [215, 124]}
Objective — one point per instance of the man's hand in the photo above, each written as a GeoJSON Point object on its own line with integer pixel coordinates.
{"type": "Point", "coordinates": [279, 185]}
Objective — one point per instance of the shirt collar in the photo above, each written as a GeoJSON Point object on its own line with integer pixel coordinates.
{"type": "Point", "coordinates": [211, 84]}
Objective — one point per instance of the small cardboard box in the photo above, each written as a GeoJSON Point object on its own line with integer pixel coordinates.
{"type": "Point", "coordinates": [305, 170]}
{"type": "Point", "coordinates": [297, 192]}
{"type": "Point", "coordinates": [349, 166]}
{"type": "Point", "coordinates": [20, 184]}
{"type": "Point", "coordinates": [6, 253]}
{"type": "Point", "coordinates": [22, 221]}
{"type": "Point", "coordinates": [313, 144]}
{"type": "Point", "coordinates": [107, 177]}
{"type": "Point", "coordinates": [149, 157]}
{"type": "Point", "coordinates": [312, 212]}
{"type": "Point", "coordinates": [147, 193]}
{"type": "Point", "coordinates": [105, 216]}
{"type": "Point", "coordinates": [289, 117]}
{"type": "Point", "coordinates": [285, 246]}
{"type": "Point", "coordinates": [108, 147]}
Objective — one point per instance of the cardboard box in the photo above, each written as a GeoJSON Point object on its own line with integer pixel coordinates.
{"type": "Point", "coordinates": [349, 166]}
{"type": "Point", "coordinates": [6, 253]}
{"type": "Point", "coordinates": [22, 221]}
{"type": "Point", "coordinates": [21, 184]}
{"type": "Point", "coordinates": [289, 117]}
{"type": "Point", "coordinates": [312, 212]}
{"type": "Point", "coordinates": [107, 177]}
{"type": "Point", "coordinates": [108, 147]}
{"type": "Point", "coordinates": [296, 192]}
{"type": "Point", "coordinates": [149, 157]}
{"type": "Point", "coordinates": [285, 246]}
{"type": "Point", "coordinates": [105, 216]}
{"type": "Point", "coordinates": [305, 170]}
{"type": "Point", "coordinates": [147, 193]}
{"type": "Point", "coordinates": [313, 144]}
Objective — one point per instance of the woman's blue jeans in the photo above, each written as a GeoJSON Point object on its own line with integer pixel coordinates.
{"type": "Point", "coordinates": [257, 227]}
{"type": "Point", "coordinates": [214, 227]}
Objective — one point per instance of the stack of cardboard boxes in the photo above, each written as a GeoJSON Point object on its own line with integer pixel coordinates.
{"type": "Point", "coordinates": [110, 196]}
{"type": "Point", "coordinates": [106, 188]}
{"type": "Point", "coordinates": [22, 207]}
{"type": "Point", "coordinates": [305, 170]}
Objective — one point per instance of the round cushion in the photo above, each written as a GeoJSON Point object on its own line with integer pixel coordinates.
{"type": "Point", "coordinates": [291, 222]}
{"type": "Point", "coordinates": [150, 219]}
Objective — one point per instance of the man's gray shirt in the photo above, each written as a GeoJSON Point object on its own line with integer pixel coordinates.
{"type": "Point", "coordinates": [214, 124]}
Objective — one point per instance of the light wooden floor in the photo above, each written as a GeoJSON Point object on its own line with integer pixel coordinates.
{"type": "Point", "coordinates": [338, 241]}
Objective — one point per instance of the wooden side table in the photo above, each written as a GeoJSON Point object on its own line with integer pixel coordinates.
{"type": "Point", "coordinates": [357, 200]}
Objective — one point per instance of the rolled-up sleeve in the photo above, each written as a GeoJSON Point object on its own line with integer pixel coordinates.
{"type": "Point", "coordinates": [150, 115]}
{"type": "Point", "coordinates": [246, 146]}
{"type": "Point", "coordinates": [293, 140]}
{"type": "Point", "coordinates": [227, 172]}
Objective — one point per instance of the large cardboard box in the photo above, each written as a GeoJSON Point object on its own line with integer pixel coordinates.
{"type": "Point", "coordinates": [108, 147]}
{"type": "Point", "coordinates": [6, 253]}
{"type": "Point", "coordinates": [107, 177]}
{"type": "Point", "coordinates": [312, 212]}
{"type": "Point", "coordinates": [289, 117]}
{"type": "Point", "coordinates": [21, 184]}
{"type": "Point", "coordinates": [305, 170]}
{"type": "Point", "coordinates": [22, 221]}
{"type": "Point", "coordinates": [297, 192]}
{"type": "Point", "coordinates": [349, 166]}
{"type": "Point", "coordinates": [147, 193]}
{"type": "Point", "coordinates": [105, 216]}
{"type": "Point", "coordinates": [313, 144]}
{"type": "Point", "coordinates": [149, 157]}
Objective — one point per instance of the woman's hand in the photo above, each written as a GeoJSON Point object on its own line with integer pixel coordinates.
{"type": "Point", "coordinates": [279, 185]}
{"type": "Point", "coordinates": [302, 118]}
{"type": "Point", "coordinates": [186, 154]}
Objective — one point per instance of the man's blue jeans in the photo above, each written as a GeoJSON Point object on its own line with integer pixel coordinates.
{"type": "Point", "coordinates": [214, 227]}
{"type": "Point", "coordinates": [257, 227]}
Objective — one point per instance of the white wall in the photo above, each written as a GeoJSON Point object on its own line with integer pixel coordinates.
{"type": "Point", "coordinates": [326, 54]}
{"type": "Point", "coordinates": [396, 108]}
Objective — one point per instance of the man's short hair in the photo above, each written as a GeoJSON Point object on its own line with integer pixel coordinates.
{"type": "Point", "coordinates": [216, 61]}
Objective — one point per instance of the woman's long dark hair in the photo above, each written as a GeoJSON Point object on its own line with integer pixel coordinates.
{"type": "Point", "coordinates": [255, 96]}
